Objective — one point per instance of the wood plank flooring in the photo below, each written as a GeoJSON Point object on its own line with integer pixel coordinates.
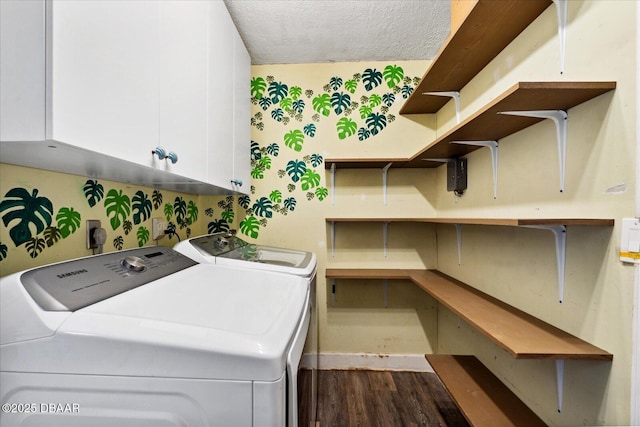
{"type": "Point", "coordinates": [385, 399]}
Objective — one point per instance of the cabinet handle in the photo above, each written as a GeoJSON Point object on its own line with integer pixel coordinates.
{"type": "Point", "coordinates": [162, 155]}
{"type": "Point", "coordinates": [173, 157]}
{"type": "Point", "coordinates": [237, 182]}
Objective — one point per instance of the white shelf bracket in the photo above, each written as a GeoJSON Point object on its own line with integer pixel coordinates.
{"type": "Point", "coordinates": [560, 234]}
{"type": "Point", "coordinates": [332, 231]}
{"type": "Point", "coordinates": [459, 239]}
{"type": "Point", "coordinates": [560, 382]}
{"type": "Point", "coordinates": [451, 94]}
{"type": "Point", "coordinates": [333, 184]}
{"type": "Point", "coordinates": [384, 182]}
{"type": "Point", "coordinates": [385, 226]}
{"type": "Point", "coordinates": [560, 118]}
{"type": "Point", "coordinates": [493, 146]}
{"type": "Point", "coordinates": [385, 288]}
{"type": "Point", "coordinates": [561, 9]}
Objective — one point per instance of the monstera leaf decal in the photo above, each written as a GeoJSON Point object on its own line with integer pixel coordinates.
{"type": "Point", "coordinates": [277, 114]}
{"type": "Point", "coordinates": [228, 216]}
{"type": "Point", "coordinates": [351, 86]}
{"type": "Point", "coordinates": [26, 209]}
{"type": "Point", "coordinates": [310, 130]}
{"type": "Point", "coordinates": [258, 86]}
{"type": "Point", "coordinates": [278, 91]}
{"type": "Point", "coordinates": [250, 226]}
{"type": "Point", "coordinates": [294, 139]}
{"type": "Point", "coordinates": [168, 211]}
{"type": "Point", "coordinates": [298, 106]}
{"type": "Point", "coordinates": [286, 103]}
{"type": "Point", "coordinates": [51, 235]}
{"type": "Point", "coordinates": [3, 251]}
{"type": "Point", "coordinates": [218, 226]}
{"type": "Point", "coordinates": [388, 99]}
{"type": "Point", "coordinates": [340, 101]}
{"type": "Point", "coordinates": [263, 207]}
{"type": "Point", "coordinates": [322, 104]}
{"type": "Point", "coordinates": [142, 235]}
{"type": "Point", "coordinates": [290, 203]}
{"type": "Point", "coordinates": [34, 246]}
{"type": "Point", "coordinates": [295, 169]}
{"type": "Point", "coordinates": [118, 243]}
{"type": "Point", "coordinates": [335, 83]}
{"type": "Point", "coordinates": [118, 207]}
{"type": "Point", "coordinates": [244, 201]}
{"type": "Point", "coordinates": [393, 75]}
{"type": "Point", "coordinates": [141, 207]}
{"type": "Point", "coordinates": [376, 122]}
{"type": "Point", "coordinates": [265, 103]}
{"type": "Point", "coordinates": [192, 212]}
{"type": "Point", "coordinates": [295, 92]}
{"type": "Point", "coordinates": [346, 127]}
{"type": "Point", "coordinates": [371, 78]}
{"type": "Point", "coordinates": [375, 100]}
{"type": "Point", "coordinates": [93, 192]}
{"type": "Point", "coordinates": [321, 193]}
{"type": "Point", "coordinates": [310, 179]}
{"type": "Point", "coordinates": [365, 110]}
{"type": "Point", "coordinates": [276, 196]}
{"type": "Point", "coordinates": [156, 198]}
{"type": "Point", "coordinates": [68, 221]}
{"type": "Point", "coordinates": [273, 149]}
{"type": "Point", "coordinates": [180, 209]}
{"type": "Point", "coordinates": [316, 160]}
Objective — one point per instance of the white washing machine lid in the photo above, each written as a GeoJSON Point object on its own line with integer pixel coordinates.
{"type": "Point", "coordinates": [225, 249]}
{"type": "Point", "coordinates": [206, 321]}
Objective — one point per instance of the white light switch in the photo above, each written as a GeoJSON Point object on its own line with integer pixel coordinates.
{"type": "Point", "coordinates": [630, 240]}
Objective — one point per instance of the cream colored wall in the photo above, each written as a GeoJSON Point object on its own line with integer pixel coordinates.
{"type": "Point", "coordinates": [518, 265]}
{"type": "Point", "coordinates": [64, 190]}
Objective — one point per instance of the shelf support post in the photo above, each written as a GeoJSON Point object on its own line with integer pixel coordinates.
{"type": "Point", "coordinates": [385, 226]}
{"type": "Point", "coordinates": [560, 118]}
{"type": "Point", "coordinates": [332, 231]}
{"type": "Point", "coordinates": [561, 9]}
{"type": "Point", "coordinates": [493, 146]}
{"type": "Point", "coordinates": [560, 381]}
{"type": "Point", "coordinates": [560, 234]}
{"type": "Point", "coordinates": [459, 239]}
{"type": "Point", "coordinates": [333, 184]}
{"type": "Point", "coordinates": [452, 94]}
{"type": "Point", "coordinates": [384, 181]}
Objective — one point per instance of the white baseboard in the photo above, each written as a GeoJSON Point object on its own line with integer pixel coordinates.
{"type": "Point", "coordinates": [370, 361]}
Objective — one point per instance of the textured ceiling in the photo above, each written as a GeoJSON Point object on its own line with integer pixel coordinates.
{"type": "Point", "coordinates": [309, 31]}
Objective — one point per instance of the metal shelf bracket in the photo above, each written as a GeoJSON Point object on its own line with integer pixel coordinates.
{"type": "Point", "coordinates": [459, 240]}
{"type": "Point", "coordinates": [452, 94]}
{"type": "Point", "coordinates": [333, 184]}
{"type": "Point", "coordinates": [560, 234]}
{"type": "Point", "coordinates": [561, 9]}
{"type": "Point", "coordinates": [493, 146]}
{"type": "Point", "coordinates": [385, 236]}
{"type": "Point", "coordinates": [333, 238]}
{"type": "Point", "coordinates": [560, 381]}
{"type": "Point", "coordinates": [384, 181]}
{"type": "Point", "coordinates": [560, 118]}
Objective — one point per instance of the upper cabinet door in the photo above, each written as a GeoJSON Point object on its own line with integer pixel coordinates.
{"type": "Point", "coordinates": [183, 85]}
{"type": "Point", "coordinates": [241, 115]}
{"type": "Point", "coordinates": [220, 95]}
{"type": "Point", "coordinates": [105, 76]}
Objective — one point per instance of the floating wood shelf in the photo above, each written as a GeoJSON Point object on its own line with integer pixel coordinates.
{"type": "Point", "coordinates": [482, 398]}
{"type": "Point", "coordinates": [487, 124]}
{"type": "Point", "coordinates": [487, 29]}
{"type": "Point", "coordinates": [520, 334]}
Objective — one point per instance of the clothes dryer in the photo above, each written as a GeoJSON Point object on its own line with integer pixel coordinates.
{"type": "Point", "coordinates": [148, 337]}
{"type": "Point", "coordinates": [230, 250]}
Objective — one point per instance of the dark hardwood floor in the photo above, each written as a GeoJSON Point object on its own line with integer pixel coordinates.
{"type": "Point", "coordinates": [385, 399]}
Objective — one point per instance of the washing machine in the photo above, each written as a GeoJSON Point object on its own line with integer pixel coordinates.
{"type": "Point", "coordinates": [230, 250]}
{"type": "Point", "coordinates": [148, 337]}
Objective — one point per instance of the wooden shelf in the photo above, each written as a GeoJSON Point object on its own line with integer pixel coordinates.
{"type": "Point", "coordinates": [487, 29]}
{"type": "Point", "coordinates": [482, 398]}
{"type": "Point", "coordinates": [487, 124]}
{"type": "Point", "coordinates": [519, 333]}
{"type": "Point", "coordinates": [512, 222]}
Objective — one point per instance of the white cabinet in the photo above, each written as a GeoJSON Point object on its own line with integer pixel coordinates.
{"type": "Point", "coordinates": [121, 78]}
{"type": "Point", "coordinates": [241, 114]}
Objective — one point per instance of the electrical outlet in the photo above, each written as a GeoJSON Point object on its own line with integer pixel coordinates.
{"type": "Point", "coordinates": [158, 228]}
{"type": "Point", "coordinates": [92, 225]}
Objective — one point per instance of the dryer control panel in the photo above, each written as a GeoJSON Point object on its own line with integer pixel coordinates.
{"type": "Point", "coordinates": [71, 285]}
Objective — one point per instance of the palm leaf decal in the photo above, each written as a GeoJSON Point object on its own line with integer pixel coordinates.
{"type": "Point", "coordinates": [250, 226]}
{"type": "Point", "coordinates": [310, 179]}
{"type": "Point", "coordinates": [322, 104]}
{"type": "Point", "coordinates": [51, 236]}
{"type": "Point", "coordinates": [34, 246]}
{"type": "Point", "coordinates": [192, 212]}
{"type": "Point", "coordinates": [258, 86]}
{"type": "Point", "coordinates": [118, 207]}
{"type": "Point", "coordinates": [295, 169]}
{"type": "Point", "coordinates": [376, 122]}
{"type": "Point", "coordinates": [156, 198]}
{"type": "Point", "coordinates": [278, 91]}
{"type": "Point", "coordinates": [371, 78]}
{"type": "Point", "coordinates": [26, 209]}
{"type": "Point", "coordinates": [93, 192]}
{"type": "Point", "coordinates": [340, 101]}
{"type": "Point", "coordinates": [393, 75]}
{"type": "Point", "coordinates": [141, 207]}
{"type": "Point", "coordinates": [142, 235]}
{"type": "Point", "coordinates": [263, 207]}
{"type": "Point", "coordinates": [217, 226]}
{"type": "Point", "coordinates": [294, 139]}
{"type": "Point", "coordinates": [346, 127]}
{"type": "Point", "coordinates": [68, 221]}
